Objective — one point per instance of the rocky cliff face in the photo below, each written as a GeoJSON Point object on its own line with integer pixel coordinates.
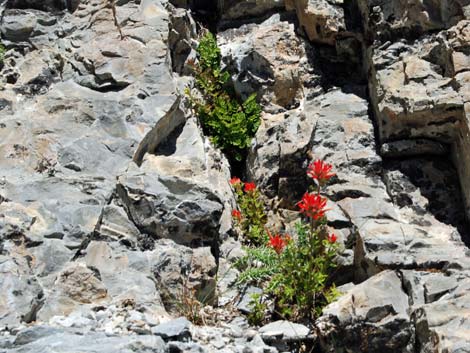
{"type": "Point", "coordinates": [113, 204]}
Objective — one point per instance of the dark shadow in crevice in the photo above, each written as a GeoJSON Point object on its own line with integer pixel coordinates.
{"type": "Point", "coordinates": [284, 16]}
{"type": "Point", "coordinates": [52, 6]}
{"type": "Point", "coordinates": [108, 87]}
{"type": "Point", "coordinates": [168, 146]}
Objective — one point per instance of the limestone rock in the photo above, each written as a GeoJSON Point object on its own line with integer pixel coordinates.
{"type": "Point", "coordinates": [76, 285]}
{"type": "Point", "coordinates": [174, 330]}
{"type": "Point", "coordinates": [180, 271]}
{"type": "Point", "coordinates": [371, 316]}
{"type": "Point", "coordinates": [322, 20]}
{"type": "Point", "coordinates": [171, 207]}
{"type": "Point", "coordinates": [388, 18]}
{"type": "Point", "coordinates": [275, 75]}
{"type": "Point", "coordinates": [233, 9]}
{"type": "Point", "coordinates": [411, 89]}
{"type": "Point", "coordinates": [67, 341]}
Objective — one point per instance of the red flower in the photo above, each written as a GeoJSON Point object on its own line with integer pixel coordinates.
{"type": "Point", "coordinates": [235, 181]}
{"type": "Point", "coordinates": [278, 242]}
{"type": "Point", "coordinates": [320, 171]}
{"type": "Point", "coordinates": [332, 238]}
{"type": "Point", "coordinates": [237, 215]}
{"type": "Point", "coordinates": [312, 205]}
{"type": "Point", "coordinates": [250, 187]}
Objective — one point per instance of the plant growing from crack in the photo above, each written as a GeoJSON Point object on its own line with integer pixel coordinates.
{"type": "Point", "coordinates": [230, 123]}
{"type": "Point", "coordinates": [293, 271]}
{"type": "Point", "coordinates": [251, 218]}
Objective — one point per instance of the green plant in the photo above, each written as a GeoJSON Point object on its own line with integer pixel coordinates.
{"type": "Point", "coordinates": [231, 124]}
{"type": "Point", "coordinates": [295, 271]}
{"type": "Point", "coordinates": [258, 309]}
{"type": "Point", "coordinates": [252, 218]}
{"type": "Point", "coordinates": [2, 53]}
{"type": "Point", "coordinates": [258, 265]}
{"type": "Point", "coordinates": [300, 283]}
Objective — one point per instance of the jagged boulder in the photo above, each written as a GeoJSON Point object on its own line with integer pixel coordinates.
{"type": "Point", "coordinates": [275, 75]}
{"type": "Point", "coordinates": [370, 317]}
{"type": "Point", "coordinates": [389, 19]}
{"type": "Point", "coordinates": [235, 10]}
{"type": "Point", "coordinates": [322, 20]}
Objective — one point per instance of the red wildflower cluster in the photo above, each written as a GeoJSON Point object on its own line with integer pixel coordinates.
{"type": "Point", "coordinates": [313, 206]}
{"type": "Point", "coordinates": [332, 238]}
{"type": "Point", "coordinates": [250, 187]}
{"type": "Point", "coordinates": [237, 215]}
{"type": "Point", "coordinates": [278, 242]}
{"type": "Point", "coordinates": [235, 181]}
{"type": "Point", "coordinates": [320, 171]}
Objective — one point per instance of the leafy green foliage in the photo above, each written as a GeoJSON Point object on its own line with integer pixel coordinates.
{"type": "Point", "coordinates": [254, 217]}
{"type": "Point", "coordinates": [230, 124]}
{"type": "Point", "coordinates": [209, 53]}
{"type": "Point", "coordinates": [293, 271]}
{"type": "Point", "coordinates": [300, 284]}
{"type": "Point", "coordinates": [258, 265]}
{"type": "Point", "coordinates": [2, 53]}
{"type": "Point", "coordinates": [258, 309]}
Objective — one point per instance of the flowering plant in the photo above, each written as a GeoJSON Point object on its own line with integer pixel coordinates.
{"type": "Point", "coordinates": [251, 217]}
{"type": "Point", "coordinates": [295, 271]}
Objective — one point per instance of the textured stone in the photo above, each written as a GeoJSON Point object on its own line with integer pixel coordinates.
{"type": "Point", "coordinates": [388, 18]}
{"type": "Point", "coordinates": [284, 330]}
{"type": "Point", "coordinates": [67, 342]}
{"type": "Point", "coordinates": [234, 10]}
{"type": "Point", "coordinates": [371, 316]}
{"type": "Point", "coordinates": [174, 330]}
{"type": "Point", "coordinates": [322, 20]}
{"type": "Point", "coordinates": [275, 75]}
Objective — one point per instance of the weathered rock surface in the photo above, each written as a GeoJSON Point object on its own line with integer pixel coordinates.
{"type": "Point", "coordinates": [115, 209]}
{"type": "Point", "coordinates": [98, 165]}
{"type": "Point", "coordinates": [322, 20]}
{"type": "Point", "coordinates": [371, 317]}
{"type": "Point", "coordinates": [268, 59]}
{"type": "Point", "coordinates": [236, 10]}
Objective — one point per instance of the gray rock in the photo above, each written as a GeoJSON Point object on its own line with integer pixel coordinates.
{"type": "Point", "coordinates": [246, 298]}
{"type": "Point", "coordinates": [444, 318]}
{"type": "Point", "coordinates": [68, 341]}
{"type": "Point", "coordinates": [171, 207]}
{"type": "Point", "coordinates": [76, 286]}
{"type": "Point", "coordinates": [373, 313]}
{"type": "Point", "coordinates": [183, 347]}
{"type": "Point", "coordinates": [233, 10]}
{"type": "Point", "coordinates": [275, 76]}
{"type": "Point", "coordinates": [322, 20]}
{"type": "Point", "coordinates": [17, 25]}
{"type": "Point", "coordinates": [174, 330]}
{"type": "Point", "coordinates": [386, 18]}
{"type": "Point", "coordinates": [116, 225]}
{"type": "Point", "coordinates": [50, 257]}
{"type": "Point", "coordinates": [34, 333]}
{"type": "Point", "coordinates": [21, 292]}
{"type": "Point", "coordinates": [179, 270]}
{"type": "Point", "coordinates": [407, 148]}
{"type": "Point", "coordinates": [284, 330]}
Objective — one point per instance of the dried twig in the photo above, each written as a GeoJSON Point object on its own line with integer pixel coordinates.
{"type": "Point", "coordinates": [112, 3]}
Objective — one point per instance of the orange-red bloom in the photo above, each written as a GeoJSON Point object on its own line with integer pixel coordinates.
{"type": "Point", "coordinates": [332, 238]}
{"type": "Point", "coordinates": [235, 181]}
{"type": "Point", "coordinates": [313, 206]}
{"type": "Point", "coordinates": [237, 215]}
{"type": "Point", "coordinates": [250, 187]}
{"type": "Point", "coordinates": [320, 171]}
{"type": "Point", "coordinates": [278, 242]}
